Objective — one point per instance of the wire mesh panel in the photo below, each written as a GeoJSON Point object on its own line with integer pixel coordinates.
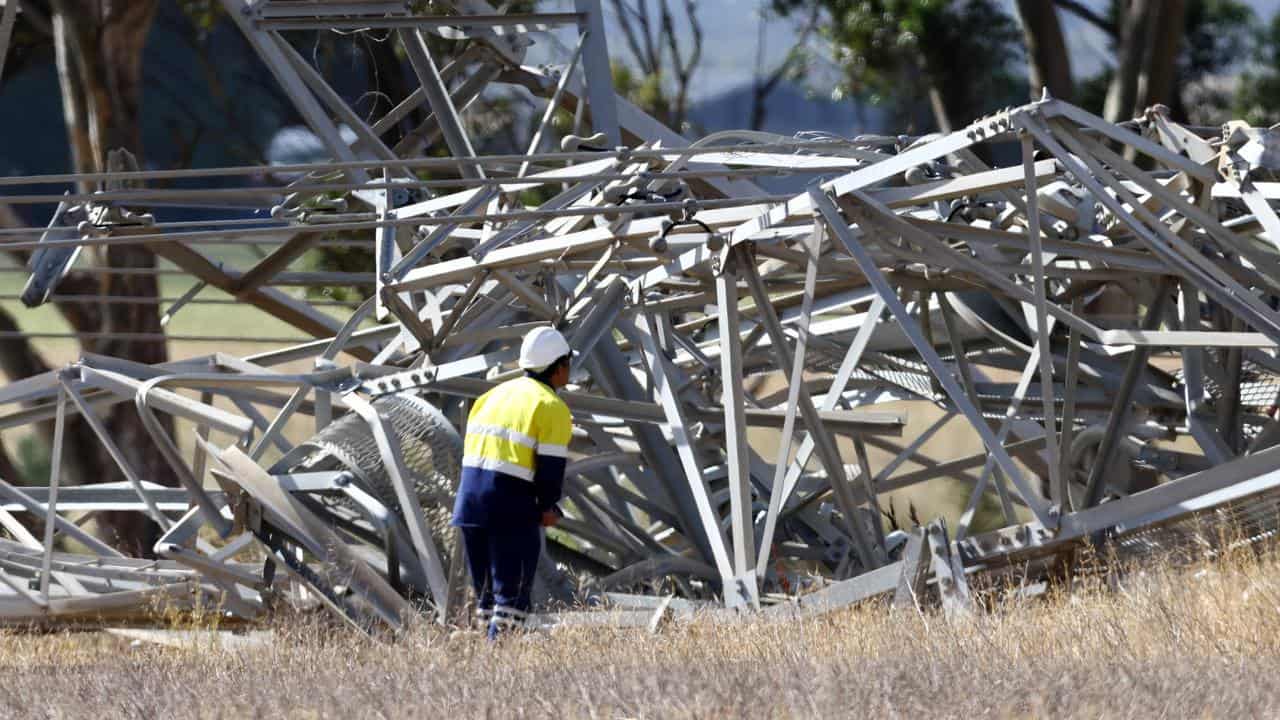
{"type": "Point", "coordinates": [1206, 534]}
{"type": "Point", "coordinates": [431, 453]}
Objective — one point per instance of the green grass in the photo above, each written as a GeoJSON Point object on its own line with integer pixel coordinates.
{"type": "Point", "coordinates": [241, 320]}
{"type": "Point", "coordinates": [253, 331]}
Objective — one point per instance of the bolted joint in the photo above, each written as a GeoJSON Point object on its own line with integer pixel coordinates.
{"type": "Point", "coordinates": [690, 208]}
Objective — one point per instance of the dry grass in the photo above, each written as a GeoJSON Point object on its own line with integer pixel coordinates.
{"type": "Point", "coordinates": [1203, 642]}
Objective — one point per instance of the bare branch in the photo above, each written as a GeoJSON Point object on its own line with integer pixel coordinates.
{"type": "Point", "coordinates": [628, 32]}
{"type": "Point", "coordinates": [678, 72]}
{"type": "Point", "coordinates": [646, 31]}
{"type": "Point", "coordinates": [1084, 12]}
{"type": "Point", "coordinates": [695, 26]}
{"type": "Point", "coordinates": [36, 18]}
{"type": "Point", "coordinates": [764, 84]}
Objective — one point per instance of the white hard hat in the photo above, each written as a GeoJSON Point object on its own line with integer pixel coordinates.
{"type": "Point", "coordinates": [541, 347]}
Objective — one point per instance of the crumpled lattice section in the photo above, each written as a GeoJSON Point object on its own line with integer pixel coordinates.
{"type": "Point", "coordinates": [431, 452]}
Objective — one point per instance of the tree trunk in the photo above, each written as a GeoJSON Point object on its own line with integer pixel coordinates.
{"type": "Point", "coordinates": [1160, 63]}
{"type": "Point", "coordinates": [99, 46]}
{"type": "Point", "coordinates": [387, 75]}
{"type": "Point", "coordinates": [1050, 64]}
{"type": "Point", "coordinates": [20, 359]}
{"type": "Point", "coordinates": [99, 49]}
{"type": "Point", "coordinates": [1122, 94]}
{"type": "Point", "coordinates": [1147, 59]}
{"type": "Point", "coordinates": [938, 105]}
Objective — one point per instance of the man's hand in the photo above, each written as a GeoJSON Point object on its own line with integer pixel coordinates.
{"type": "Point", "coordinates": [550, 518]}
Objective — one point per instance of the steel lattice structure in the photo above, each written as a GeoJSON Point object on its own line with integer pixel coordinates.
{"type": "Point", "coordinates": [911, 273]}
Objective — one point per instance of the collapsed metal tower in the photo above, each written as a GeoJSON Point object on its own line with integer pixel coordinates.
{"type": "Point", "coordinates": [1100, 319]}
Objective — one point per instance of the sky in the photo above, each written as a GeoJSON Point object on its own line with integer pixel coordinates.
{"type": "Point", "coordinates": [733, 35]}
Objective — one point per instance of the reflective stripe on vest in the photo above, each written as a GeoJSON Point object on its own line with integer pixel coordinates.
{"type": "Point", "coordinates": [512, 424]}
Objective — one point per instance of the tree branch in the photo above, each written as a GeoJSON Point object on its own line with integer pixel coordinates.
{"type": "Point", "coordinates": [36, 17]}
{"type": "Point", "coordinates": [695, 27]}
{"type": "Point", "coordinates": [8, 470]}
{"type": "Point", "coordinates": [794, 56]}
{"type": "Point", "coordinates": [678, 70]}
{"type": "Point", "coordinates": [1048, 61]}
{"type": "Point", "coordinates": [764, 83]}
{"type": "Point", "coordinates": [1084, 12]}
{"type": "Point", "coordinates": [628, 32]}
{"type": "Point", "coordinates": [18, 358]}
{"type": "Point", "coordinates": [646, 32]}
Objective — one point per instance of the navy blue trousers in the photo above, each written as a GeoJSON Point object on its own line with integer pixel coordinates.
{"type": "Point", "coordinates": [502, 564]}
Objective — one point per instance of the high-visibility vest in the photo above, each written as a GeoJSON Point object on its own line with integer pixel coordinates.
{"type": "Point", "coordinates": [512, 424]}
{"type": "Point", "coordinates": [514, 454]}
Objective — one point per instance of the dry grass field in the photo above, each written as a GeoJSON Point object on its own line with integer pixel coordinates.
{"type": "Point", "coordinates": [1197, 642]}
{"type": "Point", "coordinates": [1202, 641]}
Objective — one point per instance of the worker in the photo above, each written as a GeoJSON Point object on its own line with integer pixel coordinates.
{"type": "Point", "coordinates": [512, 475]}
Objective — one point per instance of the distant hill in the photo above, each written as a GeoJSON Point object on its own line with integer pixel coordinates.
{"type": "Point", "coordinates": [789, 109]}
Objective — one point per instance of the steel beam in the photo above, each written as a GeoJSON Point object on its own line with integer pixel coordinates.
{"type": "Point", "coordinates": [836, 222]}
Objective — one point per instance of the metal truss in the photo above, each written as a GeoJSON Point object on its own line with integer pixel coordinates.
{"type": "Point", "coordinates": [1093, 307]}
